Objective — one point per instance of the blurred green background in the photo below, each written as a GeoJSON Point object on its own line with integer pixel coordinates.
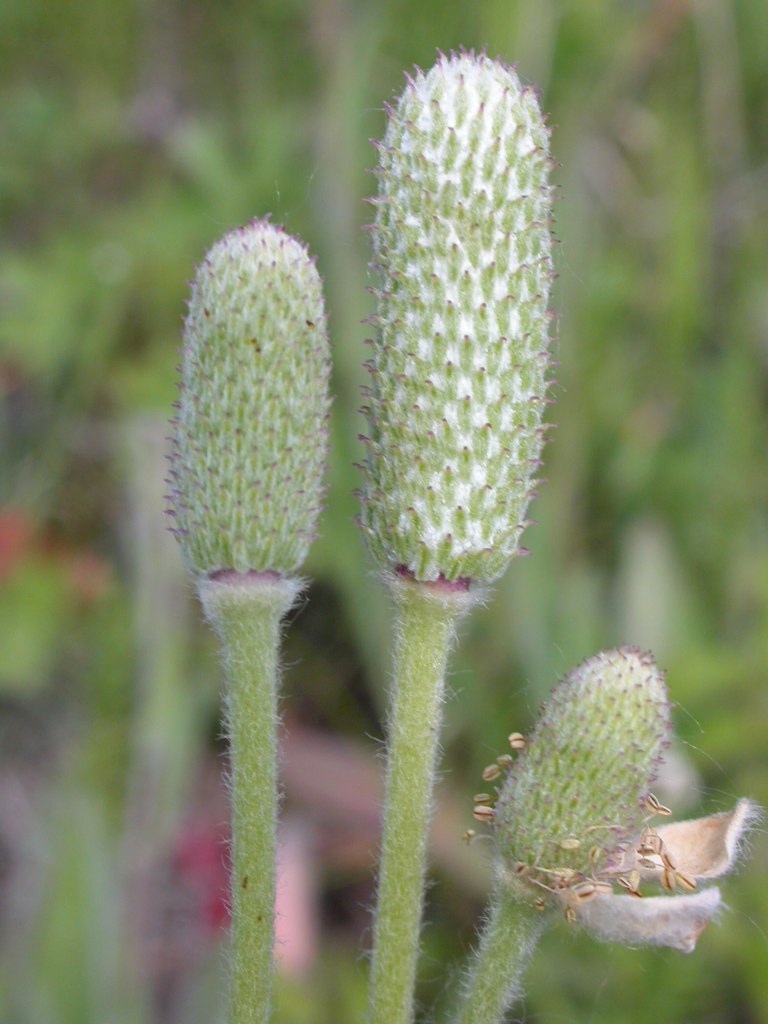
{"type": "Point", "coordinates": [132, 135]}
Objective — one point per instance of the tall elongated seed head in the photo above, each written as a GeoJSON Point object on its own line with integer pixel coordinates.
{"type": "Point", "coordinates": [250, 438]}
{"type": "Point", "coordinates": [459, 369]}
{"type": "Point", "coordinates": [577, 791]}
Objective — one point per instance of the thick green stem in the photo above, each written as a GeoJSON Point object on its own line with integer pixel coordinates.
{"type": "Point", "coordinates": [426, 617]}
{"type": "Point", "coordinates": [506, 945]}
{"type": "Point", "coordinates": [246, 612]}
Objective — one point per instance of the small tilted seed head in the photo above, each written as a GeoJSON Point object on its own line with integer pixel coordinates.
{"type": "Point", "coordinates": [577, 791]}
{"type": "Point", "coordinates": [459, 369]}
{"type": "Point", "coordinates": [250, 438]}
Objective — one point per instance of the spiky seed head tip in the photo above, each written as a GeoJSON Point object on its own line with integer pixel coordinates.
{"type": "Point", "coordinates": [250, 437]}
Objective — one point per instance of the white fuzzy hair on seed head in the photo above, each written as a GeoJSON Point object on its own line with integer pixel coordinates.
{"type": "Point", "coordinates": [460, 363]}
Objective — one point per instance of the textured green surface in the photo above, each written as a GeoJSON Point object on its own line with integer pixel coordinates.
{"type": "Point", "coordinates": [459, 367]}
{"type": "Point", "coordinates": [250, 441]}
{"type": "Point", "coordinates": [578, 785]}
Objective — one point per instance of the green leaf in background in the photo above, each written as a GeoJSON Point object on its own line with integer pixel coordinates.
{"type": "Point", "coordinates": [35, 615]}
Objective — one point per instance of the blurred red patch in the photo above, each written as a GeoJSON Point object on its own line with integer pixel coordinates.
{"type": "Point", "coordinates": [202, 860]}
{"type": "Point", "coordinates": [16, 532]}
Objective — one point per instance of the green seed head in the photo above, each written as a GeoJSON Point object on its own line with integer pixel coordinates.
{"type": "Point", "coordinates": [459, 366]}
{"type": "Point", "coordinates": [577, 791]}
{"type": "Point", "coordinates": [250, 438]}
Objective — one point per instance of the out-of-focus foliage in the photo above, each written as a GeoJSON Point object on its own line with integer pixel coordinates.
{"type": "Point", "coordinates": [132, 136]}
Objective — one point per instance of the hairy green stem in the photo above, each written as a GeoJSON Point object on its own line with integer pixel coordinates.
{"type": "Point", "coordinates": [246, 612]}
{"type": "Point", "coordinates": [506, 945]}
{"type": "Point", "coordinates": [426, 617]}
